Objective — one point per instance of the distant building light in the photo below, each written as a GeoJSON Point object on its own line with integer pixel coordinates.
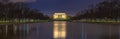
{"type": "Point", "coordinates": [59, 16]}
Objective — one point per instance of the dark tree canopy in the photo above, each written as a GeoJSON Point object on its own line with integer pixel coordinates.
{"type": "Point", "coordinates": [19, 11]}
{"type": "Point", "coordinates": [106, 9]}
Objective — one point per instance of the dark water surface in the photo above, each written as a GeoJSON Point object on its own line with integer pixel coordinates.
{"type": "Point", "coordinates": [60, 30]}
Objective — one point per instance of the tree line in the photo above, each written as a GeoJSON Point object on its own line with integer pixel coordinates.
{"type": "Point", "coordinates": [19, 11]}
{"type": "Point", "coordinates": [103, 10]}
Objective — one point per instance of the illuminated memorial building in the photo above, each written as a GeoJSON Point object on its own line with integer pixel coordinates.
{"type": "Point", "coordinates": [59, 16]}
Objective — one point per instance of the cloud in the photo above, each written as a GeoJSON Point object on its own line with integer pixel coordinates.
{"type": "Point", "coordinates": [17, 0]}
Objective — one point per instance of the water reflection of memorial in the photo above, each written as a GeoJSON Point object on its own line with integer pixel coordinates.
{"type": "Point", "coordinates": [59, 31]}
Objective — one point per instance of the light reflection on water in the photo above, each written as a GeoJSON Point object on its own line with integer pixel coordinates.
{"type": "Point", "coordinates": [14, 31]}
{"type": "Point", "coordinates": [59, 31]}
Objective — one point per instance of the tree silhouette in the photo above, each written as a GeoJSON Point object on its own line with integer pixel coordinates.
{"type": "Point", "coordinates": [106, 9]}
{"type": "Point", "coordinates": [19, 11]}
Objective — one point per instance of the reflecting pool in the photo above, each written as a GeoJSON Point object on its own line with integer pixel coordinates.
{"type": "Point", "coordinates": [60, 30]}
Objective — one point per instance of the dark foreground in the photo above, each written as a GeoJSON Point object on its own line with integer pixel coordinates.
{"type": "Point", "coordinates": [60, 30]}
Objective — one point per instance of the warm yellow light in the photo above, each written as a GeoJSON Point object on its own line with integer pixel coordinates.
{"type": "Point", "coordinates": [59, 15]}
{"type": "Point", "coordinates": [59, 29]}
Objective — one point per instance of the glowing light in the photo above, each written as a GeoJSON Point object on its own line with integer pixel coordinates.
{"type": "Point", "coordinates": [59, 31]}
{"type": "Point", "coordinates": [59, 16]}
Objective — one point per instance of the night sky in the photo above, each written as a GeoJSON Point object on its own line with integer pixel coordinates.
{"type": "Point", "coordinates": [71, 7]}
